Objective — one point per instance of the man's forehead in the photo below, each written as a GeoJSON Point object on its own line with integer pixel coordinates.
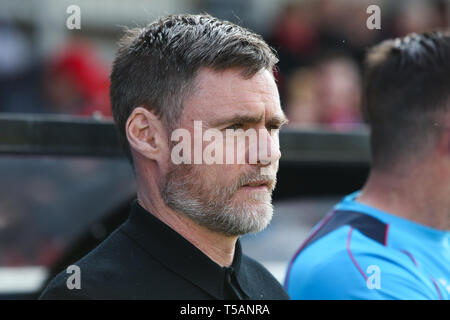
{"type": "Point", "coordinates": [227, 93]}
{"type": "Point", "coordinates": [231, 81]}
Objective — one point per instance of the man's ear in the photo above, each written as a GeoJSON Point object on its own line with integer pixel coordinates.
{"type": "Point", "coordinates": [146, 134]}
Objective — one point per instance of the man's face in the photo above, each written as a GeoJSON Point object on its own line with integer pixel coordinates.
{"type": "Point", "coordinates": [233, 197]}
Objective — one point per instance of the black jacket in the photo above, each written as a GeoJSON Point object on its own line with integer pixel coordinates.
{"type": "Point", "coordinates": [146, 259]}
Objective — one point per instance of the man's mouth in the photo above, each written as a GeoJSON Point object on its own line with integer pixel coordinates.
{"type": "Point", "coordinates": [262, 185]}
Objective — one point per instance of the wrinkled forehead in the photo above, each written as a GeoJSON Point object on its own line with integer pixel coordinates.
{"type": "Point", "coordinates": [223, 93]}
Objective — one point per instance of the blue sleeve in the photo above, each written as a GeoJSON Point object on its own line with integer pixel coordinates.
{"type": "Point", "coordinates": [334, 278]}
{"type": "Point", "coordinates": [328, 270]}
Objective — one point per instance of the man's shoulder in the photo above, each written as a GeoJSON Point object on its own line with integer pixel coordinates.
{"type": "Point", "coordinates": [345, 264]}
{"type": "Point", "coordinates": [107, 271]}
{"type": "Point", "coordinates": [336, 240]}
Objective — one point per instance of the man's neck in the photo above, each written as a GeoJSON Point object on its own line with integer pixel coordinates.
{"type": "Point", "coordinates": [217, 247]}
{"type": "Point", "coordinates": [411, 196]}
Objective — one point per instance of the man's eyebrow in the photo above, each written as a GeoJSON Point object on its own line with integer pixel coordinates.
{"type": "Point", "coordinates": [277, 120]}
{"type": "Point", "coordinates": [237, 118]}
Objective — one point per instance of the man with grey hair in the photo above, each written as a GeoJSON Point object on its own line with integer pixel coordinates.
{"type": "Point", "coordinates": [181, 75]}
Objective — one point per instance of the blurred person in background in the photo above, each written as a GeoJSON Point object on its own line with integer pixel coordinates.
{"type": "Point", "coordinates": [307, 29]}
{"type": "Point", "coordinates": [338, 92]}
{"type": "Point", "coordinates": [76, 81]}
{"type": "Point", "coordinates": [341, 25]}
{"type": "Point", "coordinates": [71, 80]}
{"type": "Point", "coordinates": [294, 36]}
{"type": "Point", "coordinates": [302, 106]}
{"type": "Point", "coordinates": [326, 94]}
{"type": "Point", "coordinates": [420, 16]}
{"type": "Point", "coordinates": [181, 240]}
{"type": "Point", "coordinates": [392, 239]}
{"type": "Point", "coordinates": [20, 74]}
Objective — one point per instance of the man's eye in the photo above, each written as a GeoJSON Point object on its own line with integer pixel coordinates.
{"type": "Point", "coordinates": [273, 127]}
{"type": "Point", "coordinates": [236, 126]}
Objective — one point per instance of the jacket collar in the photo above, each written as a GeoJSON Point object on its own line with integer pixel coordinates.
{"type": "Point", "coordinates": [179, 255]}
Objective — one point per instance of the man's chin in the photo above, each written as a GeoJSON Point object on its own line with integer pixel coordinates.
{"type": "Point", "coordinates": [252, 195]}
{"type": "Point", "coordinates": [258, 215]}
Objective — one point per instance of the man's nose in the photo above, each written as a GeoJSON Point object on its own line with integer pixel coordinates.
{"type": "Point", "coordinates": [268, 147]}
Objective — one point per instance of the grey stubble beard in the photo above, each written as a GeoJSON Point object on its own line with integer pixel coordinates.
{"type": "Point", "coordinates": [213, 207]}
